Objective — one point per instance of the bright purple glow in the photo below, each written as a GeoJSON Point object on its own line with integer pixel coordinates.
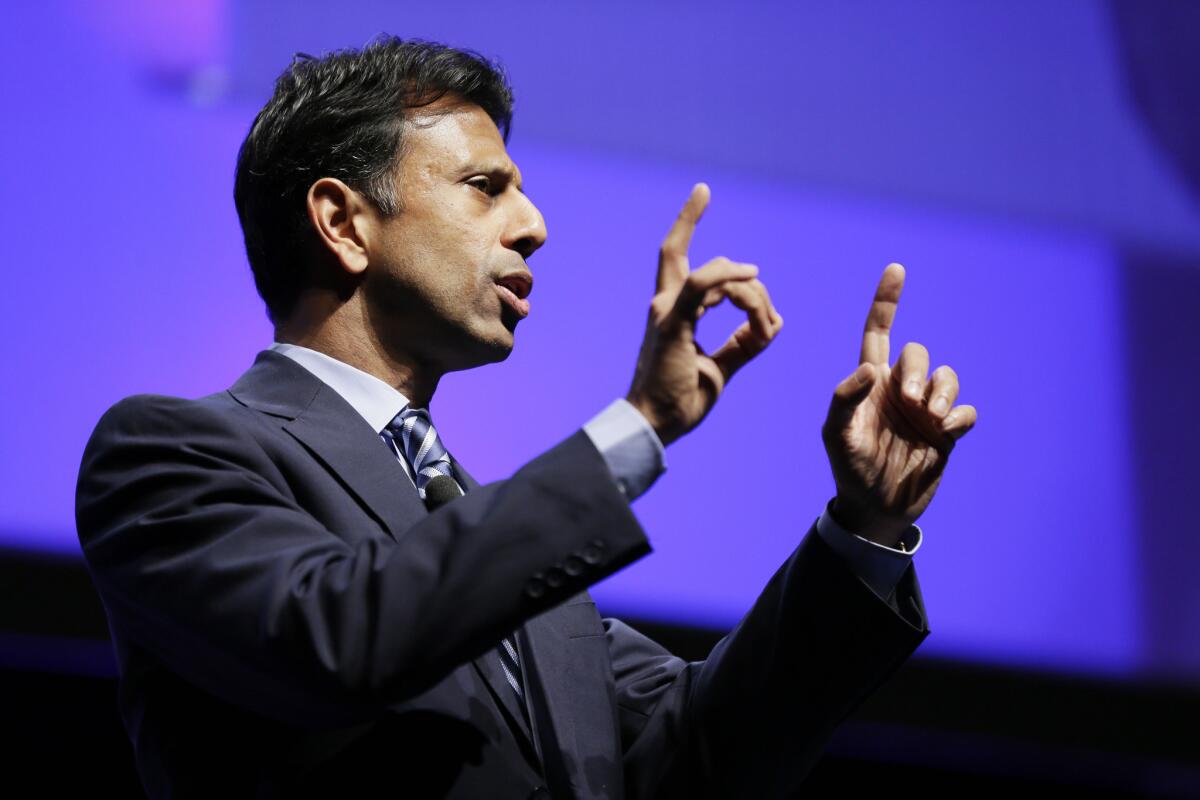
{"type": "Point", "coordinates": [126, 274]}
{"type": "Point", "coordinates": [1028, 320]}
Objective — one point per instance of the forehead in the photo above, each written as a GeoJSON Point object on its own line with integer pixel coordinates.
{"type": "Point", "coordinates": [452, 135]}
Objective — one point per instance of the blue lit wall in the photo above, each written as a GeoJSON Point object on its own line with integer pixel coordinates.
{"type": "Point", "coordinates": [995, 149]}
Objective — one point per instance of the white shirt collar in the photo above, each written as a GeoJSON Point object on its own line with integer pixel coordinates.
{"type": "Point", "coordinates": [377, 402]}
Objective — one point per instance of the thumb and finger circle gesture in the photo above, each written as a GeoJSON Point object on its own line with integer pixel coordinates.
{"type": "Point", "coordinates": [676, 383]}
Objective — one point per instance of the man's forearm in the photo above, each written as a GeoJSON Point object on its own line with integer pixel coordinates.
{"type": "Point", "coordinates": [752, 719]}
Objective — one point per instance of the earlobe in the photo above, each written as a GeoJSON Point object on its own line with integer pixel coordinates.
{"type": "Point", "coordinates": [335, 212]}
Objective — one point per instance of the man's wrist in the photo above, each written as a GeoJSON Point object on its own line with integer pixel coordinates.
{"type": "Point", "coordinates": [878, 566]}
{"type": "Point", "coordinates": [874, 527]}
{"type": "Point", "coordinates": [661, 431]}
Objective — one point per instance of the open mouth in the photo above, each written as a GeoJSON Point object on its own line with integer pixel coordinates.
{"type": "Point", "coordinates": [513, 289]}
{"type": "Point", "coordinates": [512, 301]}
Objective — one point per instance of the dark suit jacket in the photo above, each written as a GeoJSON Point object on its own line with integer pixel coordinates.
{"type": "Point", "coordinates": [290, 620]}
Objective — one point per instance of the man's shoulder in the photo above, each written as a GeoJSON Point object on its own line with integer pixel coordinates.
{"type": "Point", "coordinates": [273, 384]}
{"type": "Point", "coordinates": [158, 438]}
{"type": "Point", "coordinates": [164, 427]}
{"type": "Point", "coordinates": [146, 413]}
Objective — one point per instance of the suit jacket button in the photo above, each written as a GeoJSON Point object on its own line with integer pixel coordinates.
{"type": "Point", "coordinates": [574, 566]}
{"type": "Point", "coordinates": [535, 588]}
{"type": "Point", "coordinates": [555, 577]}
{"type": "Point", "coordinates": [590, 554]}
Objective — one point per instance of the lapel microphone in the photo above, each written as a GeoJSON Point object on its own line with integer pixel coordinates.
{"type": "Point", "coordinates": [441, 490]}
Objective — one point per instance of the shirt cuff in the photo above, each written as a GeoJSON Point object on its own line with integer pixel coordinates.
{"type": "Point", "coordinates": [878, 566]}
{"type": "Point", "coordinates": [629, 445]}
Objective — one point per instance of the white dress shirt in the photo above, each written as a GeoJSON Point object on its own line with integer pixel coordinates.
{"type": "Point", "coordinates": [628, 444]}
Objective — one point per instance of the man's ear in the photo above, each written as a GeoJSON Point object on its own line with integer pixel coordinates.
{"type": "Point", "coordinates": [341, 218]}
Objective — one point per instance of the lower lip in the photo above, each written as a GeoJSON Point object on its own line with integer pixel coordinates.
{"type": "Point", "coordinates": [512, 301]}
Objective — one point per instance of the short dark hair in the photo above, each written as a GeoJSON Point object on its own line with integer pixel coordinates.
{"type": "Point", "coordinates": [341, 116]}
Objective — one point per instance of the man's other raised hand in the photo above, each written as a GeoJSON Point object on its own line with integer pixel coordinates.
{"type": "Point", "coordinates": [676, 383]}
{"type": "Point", "coordinates": [890, 429]}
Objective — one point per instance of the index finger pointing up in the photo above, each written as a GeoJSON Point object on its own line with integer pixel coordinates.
{"type": "Point", "coordinates": [673, 257]}
{"type": "Point", "coordinates": [875, 342]}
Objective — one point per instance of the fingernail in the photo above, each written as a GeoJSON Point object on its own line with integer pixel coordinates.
{"type": "Point", "coordinates": [913, 389]}
{"type": "Point", "coordinates": [939, 405]}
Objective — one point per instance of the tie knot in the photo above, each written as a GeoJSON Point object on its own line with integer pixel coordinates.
{"type": "Point", "coordinates": [407, 418]}
{"type": "Point", "coordinates": [417, 440]}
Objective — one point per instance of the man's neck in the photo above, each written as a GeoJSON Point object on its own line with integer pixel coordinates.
{"type": "Point", "coordinates": [403, 374]}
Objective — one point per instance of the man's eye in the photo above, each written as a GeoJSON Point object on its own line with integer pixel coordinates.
{"type": "Point", "coordinates": [482, 183]}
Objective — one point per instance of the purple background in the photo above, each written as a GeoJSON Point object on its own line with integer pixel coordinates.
{"type": "Point", "coordinates": [996, 149]}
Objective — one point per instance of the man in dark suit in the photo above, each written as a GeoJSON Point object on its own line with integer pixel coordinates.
{"type": "Point", "coordinates": [310, 597]}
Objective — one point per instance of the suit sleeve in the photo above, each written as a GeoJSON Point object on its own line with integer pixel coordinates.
{"type": "Point", "coordinates": [204, 560]}
{"type": "Point", "coordinates": [751, 719]}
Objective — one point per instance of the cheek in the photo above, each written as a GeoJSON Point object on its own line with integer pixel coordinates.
{"type": "Point", "coordinates": [445, 256]}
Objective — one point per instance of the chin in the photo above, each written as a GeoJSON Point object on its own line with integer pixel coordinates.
{"type": "Point", "coordinates": [483, 350]}
{"type": "Point", "coordinates": [499, 351]}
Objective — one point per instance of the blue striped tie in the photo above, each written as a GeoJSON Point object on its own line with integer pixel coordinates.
{"type": "Point", "coordinates": [417, 441]}
{"type": "Point", "coordinates": [411, 436]}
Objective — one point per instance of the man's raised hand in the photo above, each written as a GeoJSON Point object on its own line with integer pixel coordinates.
{"type": "Point", "coordinates": [676, 383]}
{"type": "Point", "coordinates": [890, 430]}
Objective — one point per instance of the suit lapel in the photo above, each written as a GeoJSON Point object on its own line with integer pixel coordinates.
{"type": "Point", "coordinates": [488, 667]}
{"type": "Point", "coordinates": [321, 420]}
{"type": "Point", "coordinates": [561, 681]}
{"type": "Point", "coordinates": [572, 706]}
{"type": "Point", "coordinates": [359, 457]}
{"type": "Point", "coordinates": [488, 664]}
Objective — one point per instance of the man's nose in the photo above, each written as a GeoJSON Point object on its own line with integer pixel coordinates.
{"type": "Point", "coordinates": [527, 231]}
